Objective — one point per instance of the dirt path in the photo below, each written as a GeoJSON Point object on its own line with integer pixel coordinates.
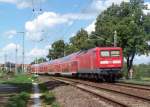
{"type": "Point", "coordinates": [36, 96]}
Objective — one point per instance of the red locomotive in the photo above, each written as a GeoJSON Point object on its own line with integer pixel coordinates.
{"type": "Point", "coordinates": [101, 63]}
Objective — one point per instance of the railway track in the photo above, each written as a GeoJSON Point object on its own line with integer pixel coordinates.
{"type": "Point", "coordinates": [111, 92]}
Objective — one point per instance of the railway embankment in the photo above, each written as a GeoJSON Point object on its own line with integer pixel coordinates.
{"type": "Point", "coordinates": [45, 91]}
{"type": "Point", "coordinates": [138, 82]}
{"type": "Point", "coordinates": [122, 95]}
{"type": "Point", "coordinates": [15, 90]}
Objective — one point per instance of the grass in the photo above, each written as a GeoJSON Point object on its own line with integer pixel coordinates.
{"type": "Point", "coordinates": [55, 104]}
{"type": "Point", "coordinates": [19, 78]}
{"type": "Point", "coordinates": [22, 81]}
{"type": "Point", "coordinates": [22, 78]}
{"type": "Point", "coordinates": [146, 79]}
{"type": "Point", "coordinates": [49, 98]}
{"type": "Point", "coordinates": [135, 81]}
{"type": "Point", "coordinates": [19, 100]}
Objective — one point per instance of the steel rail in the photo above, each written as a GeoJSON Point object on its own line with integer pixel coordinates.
{"type": "Point", "coordinates": [110, 90]}
{"type": "Point", "coordinates": [73, 83]}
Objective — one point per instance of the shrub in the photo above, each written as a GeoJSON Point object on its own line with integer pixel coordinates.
{"type": "Point", "coordinates": [25, 96]}
{"type": "Point", "coordinates": [55, 104]}
{"type": "Point", "coordinates": [49, 97]}
{"type": "Point", "coordinates": [18, 100]}
{"type": "Point", "coordinates": [43, 87]}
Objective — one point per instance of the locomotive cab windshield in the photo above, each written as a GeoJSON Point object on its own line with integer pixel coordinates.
{"type": "Point", "coordinates": [110, 58]}
{"type": "Point", "coordinates": [111, 53]}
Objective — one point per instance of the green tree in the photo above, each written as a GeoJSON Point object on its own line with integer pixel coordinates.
{"type": "Point", "coordinates": [50, 55]}
{"type": "Point", "coordinates": [39, 60]}
{"type": "Point", "coordinates": [79, 41]}
{"type": "Point", "coordinates": [147, 25]}
{"type": "Point", "coordinates": [69, 49]}
{"type": "Point", "coordinates": [57, 50]}
{"type": "Point", "coordinates": [131, 26]}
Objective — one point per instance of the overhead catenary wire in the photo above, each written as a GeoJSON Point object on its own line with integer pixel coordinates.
{"type": "Point", "coordinates": [75, 21]}
{"type": "Point", "coordinates": [36, 11]}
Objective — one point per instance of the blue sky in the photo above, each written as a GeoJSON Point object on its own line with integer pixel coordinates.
{"type": "Point", "coordinates": [59, 19]}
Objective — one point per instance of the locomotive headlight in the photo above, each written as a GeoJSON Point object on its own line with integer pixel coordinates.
{"type": "Point", "coordinates": [116, 62]}
{"type": "Point", "coordinates": [104, 62]}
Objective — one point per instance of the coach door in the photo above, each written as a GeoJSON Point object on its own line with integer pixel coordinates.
{"type": "Point", "coordinates": [74, 66]}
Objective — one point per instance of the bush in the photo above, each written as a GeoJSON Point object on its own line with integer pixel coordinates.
{"type": "Point", "coordinates": [49, 97]}
{"type": "Point", "coordinates": [55, 104]}
{"type": "Point", "coordinates": [18, 100]}
{"type": "Point", "coordinates": [43, 87]}
{"type": "Point", "coordinates": [25, 96]}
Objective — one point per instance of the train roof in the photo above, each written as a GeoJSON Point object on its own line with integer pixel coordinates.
{"type": "Point", "coordinates": [74, 55]}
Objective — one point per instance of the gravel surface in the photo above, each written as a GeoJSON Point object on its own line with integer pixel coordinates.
{"type": "Point", "coordinates": [130, 101]}
{"type": "Point", "coordinates": [69, 96]}
{"type": "Point", "coordinates": [129, 90]}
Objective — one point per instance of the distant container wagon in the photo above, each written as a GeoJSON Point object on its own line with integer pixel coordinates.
{"type": "Point", "coordinates": [101, 63]}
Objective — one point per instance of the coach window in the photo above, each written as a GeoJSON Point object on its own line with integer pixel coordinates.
{"type": "Point", "coordinates": [105, 53]}
{"type": "Point", "coordinates": [115, 53]}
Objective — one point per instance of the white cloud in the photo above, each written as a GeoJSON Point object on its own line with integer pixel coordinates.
{"type": "Point", "coordinates": [91, 27]}
{"type": "Point", "coordinates": [98, 6]}
{"type": "Point", "coordinates": [148, 8]}
{"type": "Point", "coordinates": [47, 47]}
{"type": "Point", "coordinates": [19, 3]}
{"type": "Point", "coordinates": [22, 3]}
{"type": "Point", "coordinates": [36, 52]}
{"type": "Point", "coordinates": [11, 47]}
{"type": "Point", "coordinates": [10, 34]}
{"type": "Point", "coordinates": [43, 21]}
{"type": "Point", "coordinates": [148, 4]}
{"type": "Point", "coordinates": [9, 50]}
{"type": "Point", "coordinates": [49, 20]}
{"type": "Point", "coordinates": [142, 59]}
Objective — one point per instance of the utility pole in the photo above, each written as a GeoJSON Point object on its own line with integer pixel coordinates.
{"type": "Point", "coordinates": [5, 58]}
{"type": "Point", "coordinates": [9, 66]}
{"type": "Point", "coordinates": [23, 53]}
{"type": "Point", "coordinates": [115, 38]}
{"type": "Point", "coordinates": [16, 58]}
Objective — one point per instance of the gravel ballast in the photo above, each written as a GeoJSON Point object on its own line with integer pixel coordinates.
{"type": "Point", "coordinates": [69, 96]}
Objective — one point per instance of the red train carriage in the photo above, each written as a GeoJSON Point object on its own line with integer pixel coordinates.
{"type": "Point", "coordinates": [103, 63]}
{"type": "Point", "coordinates": [34, 68]}
{"type": "Point", "coordinates": [39, 68]}
{"type": "Point", "coordinates": [43, 68]}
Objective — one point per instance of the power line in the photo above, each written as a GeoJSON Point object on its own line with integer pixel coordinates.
{"type": "Point", "coordinates": [74, 23]}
